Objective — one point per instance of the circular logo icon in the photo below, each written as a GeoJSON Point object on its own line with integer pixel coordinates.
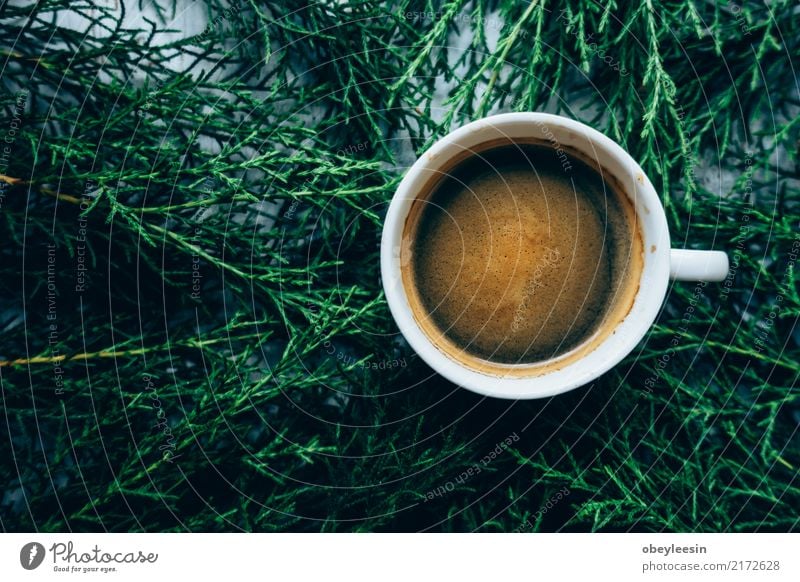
{"type": "Point", "coordinates": [31, 555]}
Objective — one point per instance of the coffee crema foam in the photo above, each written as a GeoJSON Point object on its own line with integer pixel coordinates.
{"type": "Point", "coordinates": [514, 257]}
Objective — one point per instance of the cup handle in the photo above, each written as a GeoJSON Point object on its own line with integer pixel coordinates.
{"type": "Point", "coordinates": [689, 265]}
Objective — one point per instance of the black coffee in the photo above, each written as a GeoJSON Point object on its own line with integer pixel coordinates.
{"type": "Point", "coordinates": [519, 253]}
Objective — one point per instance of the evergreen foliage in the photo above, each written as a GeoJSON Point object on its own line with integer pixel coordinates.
{"type": "Point", "coordinates": [194, 335]}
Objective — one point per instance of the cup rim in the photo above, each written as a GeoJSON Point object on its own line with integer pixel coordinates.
{"type": "Point", "coordinates": [623, 339]}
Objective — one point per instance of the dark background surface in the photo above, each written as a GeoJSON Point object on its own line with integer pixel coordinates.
{"type": "Point", "coordinates": [193, 330]}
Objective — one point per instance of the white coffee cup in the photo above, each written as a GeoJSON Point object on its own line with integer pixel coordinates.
{"type": "Point", "coordinates": [660, 261]}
